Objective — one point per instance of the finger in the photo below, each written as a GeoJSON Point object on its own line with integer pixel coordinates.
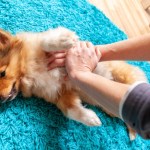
{"type": "Point", "coordinates": [78, 45]}
{"type": "Point", "coordinates": [48, 54]}
{"type": "Point", "coordinates": [71, 51]}
{"type": "Point", "coordinates": [75, 49]}
{"type": "Point", "coordinates": [56, 56]}
{"type": "Point", "coordinates": [56, 63]}
{"type": "Point", "coordinates": [98, 53]}
{"type": "Point", "coordinates": [89, 45]}
{"type": "Point", "coordinates": [83, 45]}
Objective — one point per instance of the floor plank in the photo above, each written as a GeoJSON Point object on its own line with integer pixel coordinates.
{"type": "Point", "coordinates": [128, 15]}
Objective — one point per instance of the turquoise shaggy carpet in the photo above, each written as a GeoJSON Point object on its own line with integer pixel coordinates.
{"type": "Point", "coordinates": [32, 124]}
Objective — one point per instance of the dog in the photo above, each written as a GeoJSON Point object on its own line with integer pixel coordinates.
{"type": "Point", "coordinates": [23, 67]}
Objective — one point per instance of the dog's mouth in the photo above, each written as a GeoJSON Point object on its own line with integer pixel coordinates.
{"type": "Point", "coordinates": [12, 94]}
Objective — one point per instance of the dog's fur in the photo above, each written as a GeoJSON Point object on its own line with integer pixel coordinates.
{"type": "Point", "coordinates": [23, 59]}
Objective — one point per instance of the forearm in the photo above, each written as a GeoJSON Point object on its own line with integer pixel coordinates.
{"type": "Point", "coordinates": [106, 92]}
{"type": "Point", "coordinates": [132, 49]}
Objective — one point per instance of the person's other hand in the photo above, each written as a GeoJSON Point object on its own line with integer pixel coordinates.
{"type": "Point", "coordinates": [56, 59]}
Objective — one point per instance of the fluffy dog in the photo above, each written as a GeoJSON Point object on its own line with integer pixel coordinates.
{"type": "Point", "coordinates": [23, 67]}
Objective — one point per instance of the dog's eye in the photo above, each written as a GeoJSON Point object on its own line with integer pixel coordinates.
{"type": "Point", "coordinates": [2, 74]}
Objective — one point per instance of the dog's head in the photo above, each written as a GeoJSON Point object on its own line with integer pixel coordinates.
{"type": "Point", "coordinates": [10, 49]}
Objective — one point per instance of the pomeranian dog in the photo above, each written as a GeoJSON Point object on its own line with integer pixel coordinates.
{"type": "Point", "coordinates": [23, 67]}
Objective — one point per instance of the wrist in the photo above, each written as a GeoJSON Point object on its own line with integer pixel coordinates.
{"type": "Point", "coordinates": [110, 52]}
{"type": "Point", "coordinates": [76, 76]}
{"type": "Point", "coordinates": [104, 50]}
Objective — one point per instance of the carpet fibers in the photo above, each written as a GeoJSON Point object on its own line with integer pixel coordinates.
{"type": "Point", "coordinates": [32, 124]}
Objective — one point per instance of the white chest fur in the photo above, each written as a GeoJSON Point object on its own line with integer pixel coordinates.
{"type": "Point", "coordinates": [45, 84]}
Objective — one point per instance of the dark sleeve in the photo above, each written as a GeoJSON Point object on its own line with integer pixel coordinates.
{"type": "Point", "coordinates": [136, 110]}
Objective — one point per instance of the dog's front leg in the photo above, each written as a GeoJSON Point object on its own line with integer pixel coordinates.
{"type": "Point", "coordinates": [26, 87]}
{"type": "Point", "coordinates": [58, 39]}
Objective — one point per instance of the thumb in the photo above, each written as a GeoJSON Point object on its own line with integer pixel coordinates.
{"type": "Point", "coordinates": [98, 53]}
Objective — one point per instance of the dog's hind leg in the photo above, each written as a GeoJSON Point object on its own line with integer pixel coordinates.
{"type": "Point", "coordinates": [69, 103]}
{"type": "Point", "coordinates": [125, 73]}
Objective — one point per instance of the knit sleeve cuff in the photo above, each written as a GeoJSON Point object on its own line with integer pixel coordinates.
{"type": "Point", "coordinates": [126, 95]}
{"type": "Point", "coordinates": [135, 108]}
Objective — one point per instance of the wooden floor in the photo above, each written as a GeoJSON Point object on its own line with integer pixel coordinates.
{"type": "Point", "coordinates": [128, 15]}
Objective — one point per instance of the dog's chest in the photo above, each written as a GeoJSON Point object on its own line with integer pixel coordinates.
{"type": "Point", "coordinates": [47, 84]}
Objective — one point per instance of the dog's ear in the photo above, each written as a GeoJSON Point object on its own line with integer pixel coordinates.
{"type": "Point", "coordinates": [17, 44]}
{"type": "Point", "coordinates": [5, 39]}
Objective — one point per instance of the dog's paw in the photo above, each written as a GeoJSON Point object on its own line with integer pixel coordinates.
{"type": "Point", "coordinates": [90, 118]}
{"type": "Point", "coordinates": [85, 116]}
{"type": "Point", "coordinates": [132, 133]}
{"type": "Point", "coordinates": [26, 87]}
{"type": "Point", "coordinates": [67, 38]}
{"type": "Point", "coordinates": [59, 39]}
{"type": "Point", "coordinates": [132, 136]}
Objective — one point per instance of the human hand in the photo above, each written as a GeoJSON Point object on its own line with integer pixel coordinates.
{"type": "Point", "coordinates": [56, 59]}
{"type": "Point", "coordinates": [82, 58]}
